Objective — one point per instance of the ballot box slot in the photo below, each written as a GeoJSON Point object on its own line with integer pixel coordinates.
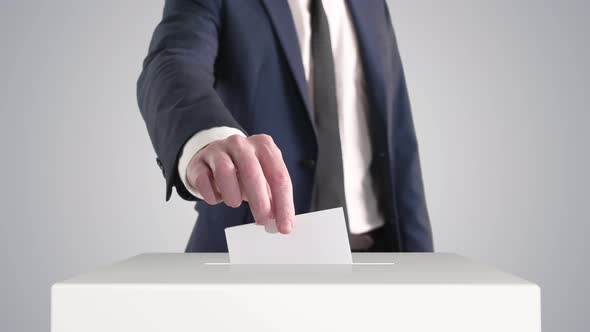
{"type": "Point", "coordinates": [359, 263]}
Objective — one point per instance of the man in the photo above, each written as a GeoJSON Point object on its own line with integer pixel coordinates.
{"type": "Point", "coordinates": [263, 109]}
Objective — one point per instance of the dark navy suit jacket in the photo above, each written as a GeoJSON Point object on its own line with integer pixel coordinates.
{"type": "Point", "coordinates": [237, 63]}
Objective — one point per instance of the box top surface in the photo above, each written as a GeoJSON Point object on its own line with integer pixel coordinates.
{"type": "Point", "coordinates": [368, 268]}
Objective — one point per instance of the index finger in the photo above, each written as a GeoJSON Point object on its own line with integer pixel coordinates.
{"type": "Point", "coordinates": [279, 181]}
{"type": "Point", "coordinates": [251, 179]}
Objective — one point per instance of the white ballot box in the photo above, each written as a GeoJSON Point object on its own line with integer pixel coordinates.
{"type": "Point", "coordinates": [380, 292]}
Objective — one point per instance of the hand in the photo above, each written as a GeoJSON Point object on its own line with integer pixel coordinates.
{"type": "Point", "coordinates": [249, 169]}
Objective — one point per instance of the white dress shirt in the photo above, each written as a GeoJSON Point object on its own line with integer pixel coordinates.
{"type": "Point", "coordinates": [361, 202]}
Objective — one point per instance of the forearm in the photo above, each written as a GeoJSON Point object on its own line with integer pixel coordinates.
{"type": "Point", "coordinates": [175, 90]}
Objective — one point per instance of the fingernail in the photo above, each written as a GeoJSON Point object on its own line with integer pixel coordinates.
{"type": "Point", "coordinates": [288, 227]}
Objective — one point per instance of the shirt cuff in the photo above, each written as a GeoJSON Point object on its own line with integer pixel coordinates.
{"type": "Point", "coordinates": [195, 144]}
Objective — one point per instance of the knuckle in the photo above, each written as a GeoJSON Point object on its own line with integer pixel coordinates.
{"type": "Point", "coordinates": [264, 140]}
{"type": "Point", "coordinates": [211, 200]}
{"type": "Point", "coordinates": [200, 155]}
{"type": "Point", "coordinates": [231, 202]}
{"type": "Point", "coordinates": [232, 196]}
{"type": "Point", "coordinates": [238, 146]}
{"type": "Point", "coordinates": [224, 168]}
{"type": "Point", "coordinates": [209, 152]}
{"type": "Point", "coordinates": [260, 207]}
{"type": "Point", "coordinates": [235, 140]}
{"type": "Point", "coordinates": [212, 147]}
{"type": "Point", "coordinates": [207, 197]}
{"type": "Point", "coordinates": [192, 171]}
{"type": "Point", "coordinates": [280, 179]}
{"type": "Point", "coordinates": [196, 158]}
{"type": "Point", "coordinates": [199, 182]}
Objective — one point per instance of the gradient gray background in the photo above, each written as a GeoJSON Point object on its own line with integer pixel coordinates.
{"type": "Point", "coordinates": [499, 90]}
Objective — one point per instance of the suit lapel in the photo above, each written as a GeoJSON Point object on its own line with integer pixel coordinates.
{"type": "Point", "coordinates": [282, 20]}
{"type": "Point", "coordinates": [362, 13]}
{"type": "Point", "coordinates": [369, 48]}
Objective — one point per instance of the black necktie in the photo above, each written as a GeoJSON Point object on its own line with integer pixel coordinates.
{"type": "Point", "coordinates": [329, 179]}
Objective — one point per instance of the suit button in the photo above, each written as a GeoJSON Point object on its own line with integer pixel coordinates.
{"type": "Point", "coordinates": [308, 163]}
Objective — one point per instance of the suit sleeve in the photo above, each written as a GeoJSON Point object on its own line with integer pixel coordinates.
{"type": "Point", "coordinates": [175, 90]}
{"type": "Point", "coordinates": [410, 198]}
{"type": "Point", "coordinates": [409, 190]}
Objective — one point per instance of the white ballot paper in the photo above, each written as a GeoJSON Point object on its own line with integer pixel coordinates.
{"type": "Point", "coordinates": [317, 238]}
